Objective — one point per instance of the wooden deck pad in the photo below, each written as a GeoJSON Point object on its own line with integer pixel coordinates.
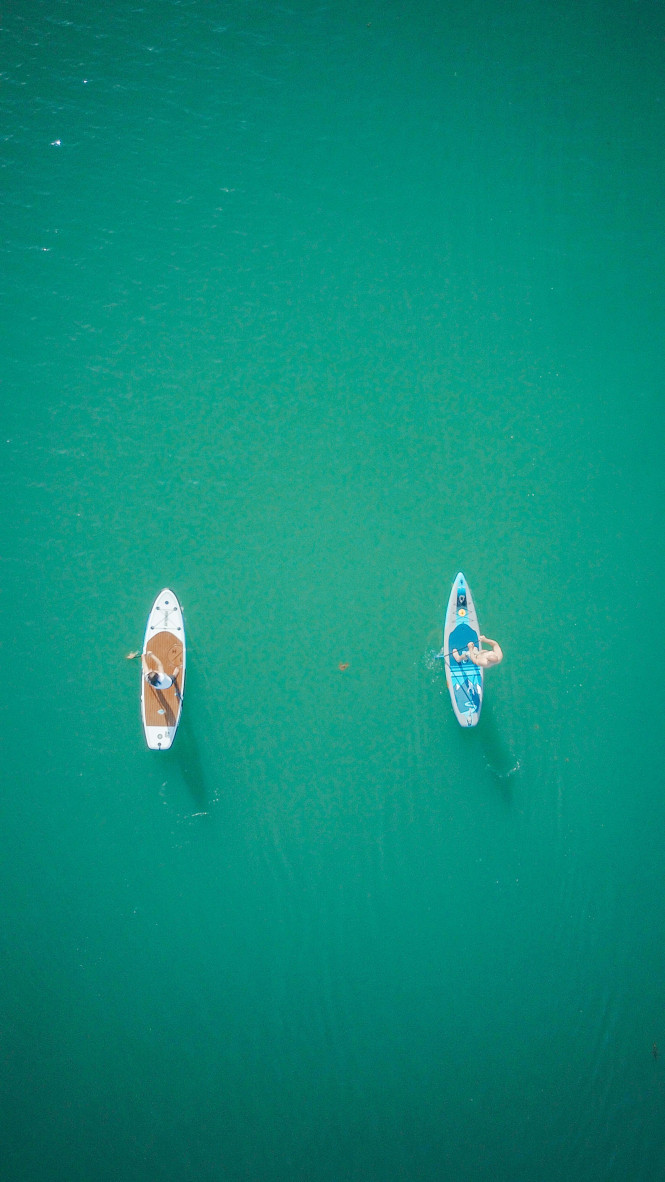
{"type": "Point", "coordinates": [162, 707]}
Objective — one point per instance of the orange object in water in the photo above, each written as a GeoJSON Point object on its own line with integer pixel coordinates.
{"type": "Point", "coordinates": [342, 666]}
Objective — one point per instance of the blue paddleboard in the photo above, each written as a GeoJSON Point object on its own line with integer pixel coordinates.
{"type": "Point", "coordinates": [465, 680]}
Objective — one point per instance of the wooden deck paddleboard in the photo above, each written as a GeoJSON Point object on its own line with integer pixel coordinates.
{"type": "Point", "coordinates": [465, 680]}
{"type": "Point", "coordinates": [165, 637]}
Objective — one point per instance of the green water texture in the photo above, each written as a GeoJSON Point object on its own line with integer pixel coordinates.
{"type": "Point", "coordinates": [306, 308]}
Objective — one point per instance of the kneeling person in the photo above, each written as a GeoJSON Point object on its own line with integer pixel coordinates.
{"type": "Point", "coordinates": [480, 656]}
{"type": "Point", "coordinates": [155, 675]}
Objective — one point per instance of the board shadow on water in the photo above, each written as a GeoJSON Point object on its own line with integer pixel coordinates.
{"type": "Point", "coordinates": [187, 757]}
{"type": "Point", "coordinates": [489, 743]}
{"type": "Point", "coordinates": [198, 751]}
{"type": "Point", "coordinates": [487, 738]}
{"type": "Point", "coordinates": [499, 758]}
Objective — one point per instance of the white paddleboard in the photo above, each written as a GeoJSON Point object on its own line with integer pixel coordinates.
{"type": "Point", "coordinates": [165, 637]}
{"type": "Point", "coordinates": [465, 680]}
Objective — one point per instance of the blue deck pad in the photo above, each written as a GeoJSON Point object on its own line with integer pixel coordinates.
{"type": "Point", "coordinates": [467, 696]}
{"type": "Point", "coordinates": [459, 638]}
{"type": "Point", "coordinates": [465, 676]}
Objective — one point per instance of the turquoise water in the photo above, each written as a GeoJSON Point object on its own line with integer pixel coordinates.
{"type": "Point", "coordinates": [307, 308]}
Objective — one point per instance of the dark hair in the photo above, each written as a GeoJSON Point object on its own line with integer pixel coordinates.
{"type": "Point", "coordinates": [153, 676]}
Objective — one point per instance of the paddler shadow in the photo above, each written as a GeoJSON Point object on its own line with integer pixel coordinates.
{"type": "Point", "coordinates": [499, 758]}
{"type": "Point", "coordinates": [188, 759]}
{"type": "Point", "coordinates": [164, 708]}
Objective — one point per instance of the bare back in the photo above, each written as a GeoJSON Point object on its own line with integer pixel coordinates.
{"type": "Point", "coordinates": [482, 657]}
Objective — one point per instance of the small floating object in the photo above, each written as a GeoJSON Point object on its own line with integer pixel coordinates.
{"type": "Point", "coordinates": [343, 666]}
{"type": "Point", "coordinates": [165, 637]}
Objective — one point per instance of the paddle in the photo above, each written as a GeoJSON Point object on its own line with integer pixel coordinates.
{"type": "Point", "coordinates": [444, 657]}
{"type": "Point", "coordinates": [175, 684]}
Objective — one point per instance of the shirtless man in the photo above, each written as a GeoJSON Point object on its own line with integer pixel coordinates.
{"type": "Point", "coordinates": [480, 656]}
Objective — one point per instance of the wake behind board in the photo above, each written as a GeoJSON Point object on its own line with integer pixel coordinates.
{"type": "Point", "coordinates": [465, 680]}
{"type": "Point", "coordinates": [165, 637]}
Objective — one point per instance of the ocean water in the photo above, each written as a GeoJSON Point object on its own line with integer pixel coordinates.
{"type": "Point", "coordinates": [306, 308]}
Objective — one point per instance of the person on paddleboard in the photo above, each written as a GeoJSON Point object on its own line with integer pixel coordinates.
{"type": "Point", "coordinates": [480, 656]}
{"type": "Point", "coordinates": [156, 677]}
